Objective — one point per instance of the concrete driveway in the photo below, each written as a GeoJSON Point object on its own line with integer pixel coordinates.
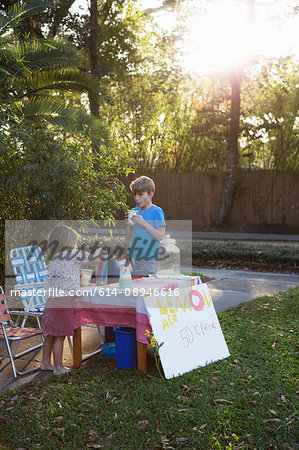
{"type": "Point", "coordinates": [229, 288]}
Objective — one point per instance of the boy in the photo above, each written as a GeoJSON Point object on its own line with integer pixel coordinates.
{"type": "Point", "coordinates": [148, 229]}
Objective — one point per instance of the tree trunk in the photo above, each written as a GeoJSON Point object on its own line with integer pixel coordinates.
{"type": "Point", "coordinates": [94, 60]}
{"type": "Point", "coordinates": [231, 175]}
{"type": "Point", "coordinates": [60, 11]}
{"type": "Point", "coordinates": [93, 51]}
{"type": "Point", "coordinates": [232, 151]}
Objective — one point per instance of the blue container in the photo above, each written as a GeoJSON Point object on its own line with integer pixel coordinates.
{"type": "Point", "coordinates": [108, 349]}
{"type": "Point", "coordinates": [126, 347]}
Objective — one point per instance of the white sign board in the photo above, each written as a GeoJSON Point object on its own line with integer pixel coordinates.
{"type": "Point", "coordinates": [188, 325]}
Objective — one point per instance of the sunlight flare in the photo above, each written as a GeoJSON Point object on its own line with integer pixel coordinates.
{"type": "Point", "coordinates": [222, 37]}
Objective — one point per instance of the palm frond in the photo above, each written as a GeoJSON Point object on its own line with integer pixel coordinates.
{"type": "Point", "coordinates": [48, 54]}
{"type": "Point", "coordinates": [68, 80]}
{"type": "Point", "coordinates": [10, 65]}
{"type": "Point", "coordinates": [18, 11]}
{"type": "Point", "coordinates": [37, 56]}
{"type": "Point", "coordinates": [64, 117]}
{"type": "Point", "coordinates": [31, 72]}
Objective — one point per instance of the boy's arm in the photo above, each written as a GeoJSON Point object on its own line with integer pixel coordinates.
{"type": "Point", "coordinates": [156, 233]}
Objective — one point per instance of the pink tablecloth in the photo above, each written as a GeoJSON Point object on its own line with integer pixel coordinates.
{"type": "Point", "coordinates": [122, 309]}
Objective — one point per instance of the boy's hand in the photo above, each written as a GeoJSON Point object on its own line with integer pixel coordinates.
{"type": "Point", "coordinates": [139, 220]}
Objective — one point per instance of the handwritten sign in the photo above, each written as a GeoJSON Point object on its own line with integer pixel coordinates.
{"type": "Point", "coordinates": [188, 325]}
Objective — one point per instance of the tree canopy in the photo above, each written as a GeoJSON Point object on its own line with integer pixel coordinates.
{"type": "Point", "coordinates": [152, 114]}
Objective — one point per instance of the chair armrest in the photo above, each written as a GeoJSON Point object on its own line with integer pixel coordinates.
{"type": "Point", "coordinates": [30, 285]}
{"type": "Point", "coordinates": [24, 313]}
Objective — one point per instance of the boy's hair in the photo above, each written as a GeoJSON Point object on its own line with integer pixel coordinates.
{"type": "Point", "coordinates": [61, 238]}
{"type": "Point", "coordinates": [142, 184]}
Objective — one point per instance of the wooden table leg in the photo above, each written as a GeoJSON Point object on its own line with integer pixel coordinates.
{"type": "Point", "coordinates": [109, 334]}
{"type": "Point", "coordinates": [77, 348]}
{"type": "Point", "coordinates": [141, 356]}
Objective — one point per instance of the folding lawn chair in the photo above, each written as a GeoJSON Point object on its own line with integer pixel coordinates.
{"type": "Point", "coordinates": [10, 333]}
{"type": "Point", "coordinates": [29, 267]}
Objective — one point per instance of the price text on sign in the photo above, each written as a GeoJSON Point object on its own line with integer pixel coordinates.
{"type": "Point", "coordinates": [188, 325]}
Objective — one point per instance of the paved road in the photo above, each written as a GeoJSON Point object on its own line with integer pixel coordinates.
{"type": "Point", "coordinates": [281, 239]}
{"type": "Point", "coordinates": [258, 237]}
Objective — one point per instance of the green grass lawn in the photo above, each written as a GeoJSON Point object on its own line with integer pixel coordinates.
{"type": "Point", "coordinates": [245, 401]}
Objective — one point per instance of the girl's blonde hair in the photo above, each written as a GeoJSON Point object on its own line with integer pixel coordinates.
{"type": "Point", "coordinates": [142, 184]}
{"type": "Point", "coordinates": [61, 238]}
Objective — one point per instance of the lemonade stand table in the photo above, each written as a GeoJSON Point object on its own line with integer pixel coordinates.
{"type": "Point", "coordinates": [110, 306]}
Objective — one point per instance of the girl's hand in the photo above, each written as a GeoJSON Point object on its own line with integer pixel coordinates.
{"type": "Point", "coordinates": [97, 253]}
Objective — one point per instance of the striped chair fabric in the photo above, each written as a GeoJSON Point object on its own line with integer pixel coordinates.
{"type": "Point", "coordinates": [29, 266]}
{"type": "Point", "coordinates": [12, 331]}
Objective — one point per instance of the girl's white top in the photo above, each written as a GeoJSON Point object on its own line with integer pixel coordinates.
{"type": "Point", "coordinates": [63, 276]}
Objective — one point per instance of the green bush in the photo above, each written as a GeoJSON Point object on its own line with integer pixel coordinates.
{"type": "Point", "coordinates": [236, 254]}
{"type": "Point", "coordinates": [59, 180]}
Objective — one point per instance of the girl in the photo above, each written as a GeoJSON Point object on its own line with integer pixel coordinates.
{"type": "Point", "coordinates": [63, 276]}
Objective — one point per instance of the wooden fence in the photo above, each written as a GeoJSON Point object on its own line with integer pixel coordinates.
{"type": "Point", "coordinates": [262, 197]}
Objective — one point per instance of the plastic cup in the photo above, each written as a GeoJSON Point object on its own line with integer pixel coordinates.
{"type": "Point", "coordinates": [85, 277]}
{"type": "Point", "coordinates": [132, 213]}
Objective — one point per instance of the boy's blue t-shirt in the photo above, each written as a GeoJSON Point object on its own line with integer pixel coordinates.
{"type": "Point", "coordinates": [142, 243]}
